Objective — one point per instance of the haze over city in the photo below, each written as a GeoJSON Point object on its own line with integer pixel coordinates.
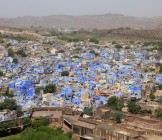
{"type": "Point", "coordinates": [139, 8]}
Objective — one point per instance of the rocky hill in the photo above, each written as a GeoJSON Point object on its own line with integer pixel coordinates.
{"type": "Point", "coordinates": [106, 21]}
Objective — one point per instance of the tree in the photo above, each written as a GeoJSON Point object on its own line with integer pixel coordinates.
{"type": "Point", "coordinates": [22, 53]}
{"type": "Point", "coordinates": [19, 112]}
{"type": "Point", "coordinates": [93, 52]}
{"type": "Point", "coordinates": [41, 133]}
{"type": "Point", "coordinates": [117, 117]}
{"type": "Point", "coordinates": [115, 103]}
{"type": "Point", "coordinates": [152, 96]}
{"type": "Point", "coordinates": [1, 73]}
{"type": "Point", "coordinates": [26, 121]}
{"type": "Point", "coordinates": [159, 114]}
{"type": "Point", "coordinates": [38, 90]}
{"type": "Point", "coordinates": [40, 122]}
{"type": "Point", "coordinates": [133, 107]}
{"type": "Point", "coordinates": [10, 53]}
{"type": "Point", "coordinates": [8, 104]}
{"type": "Point", "coordinates": [118, 46]}
{"type": "Point", "coordinates": [112, 101]}
{"type": "Point", "coordinates": [160, 69]}
{"type": "Point", "coordinates": [19, 52]}
{"type": "Point", "coordinates": [64, 73]}
{"type": "Point", "coordinates": [51, 88]}
{"type": "Point", "coordinates": [9, 93]}
{"type": "Point", "coordinates": [160, 87]}
{"type": "Point", "coordinates": [76, 56]}
{"type": "Point", "coordinates": [15, 60]}
{"type": "Point", "coordinates": [88, 111]}
{"type": "Point", "coordinates": [78, 49]}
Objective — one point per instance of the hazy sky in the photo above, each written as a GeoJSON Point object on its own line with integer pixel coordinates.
{"type": "Point", "coordinates": [14, 8]}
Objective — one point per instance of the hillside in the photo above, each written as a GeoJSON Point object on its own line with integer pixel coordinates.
{"type": "Point", "coordinates": [106, 21]}
{"type": "Point", "coordinates": [160, 26]}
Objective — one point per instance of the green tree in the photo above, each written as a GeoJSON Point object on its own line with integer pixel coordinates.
{"type": "Point", "coordinates": [112, 101]}
{"type": "Point", "coordinates": [40, 133]}
{"type": "Point", "coordinates": [118, 46]}
{"type": "Point", "coordinates": [152, 96]}
{"type": "Point", "coordinates": [133, 107]}
{"type": "Point", "coordinates": [160, 87]}
{"type": "Point", "coordinates": [88, 111]}
{"type": "Point", "coordinates": [51, 88]}
{"type": "Point", "coordinates": [19, 111]}
{"type": "Point", "coordinates": [19, 52]}
{"type": "Point", "coordinates": [8, 104]}
{"type": "Point", "coordinates": [115, 103]}
{"type": "Point", "coordinates": [76, 56]}
{"type": "Point", "coordinates": [9, 93]}
{"type": "Point", "coordinates": [38, 90]}
{"type": "Point", "coordinates": [10, 53]}
{"type": "Point", "coordinates": [78, 49]}
{"type": "Point", "coordinates": [64, 73]}
{"type": "Point", "coordinates": [26, 121]}
{"type": "Point", "coordinates": [93, 52]}
{"type": "Point", "coordinates": [39, 122]}
{"type": "Point", "coordinates": [22, 53]}
{"type": "Point", "coordinates": [117, 117]}
{"type": "Point", "coordinates": [1, 73]}
{"type": "Point", "coordinates": [15, 60]}
{"type": "Point", "coordinates": [159, 114]}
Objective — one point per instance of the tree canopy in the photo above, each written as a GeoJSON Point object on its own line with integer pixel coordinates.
{"type": "Point", "coordinates": [21, 53]}
{"type": "Point", "coordinates": [10, 53]}
{"type": "Point", "coordinates": [115, 103]}
{"type": "Point", "coordinates": [38, 89]}
{"type": "Point", "coordinates": [133, 107]}
{"type": "Point", "coordinates": [15, 60]}
{"type": "Point", "coordinates": [19, 111]}
{"type": "Point", "coordinates": [1, 73]}
{"type": "Point", "coordinates": [51, 88]}
{"type": "Point", "coordinates": [76, 56]}
{"type": "Point", "coordinates": [118, 46]}
{"type": "Point", "coordinates": [159, 114]}
{"type": "Point", "coordinates": [37, 130]}
{"type": "Point", "coordinates": [93, 52]}
{"type": "Point", "coordinates": [117, 117]}
{"type": "Point", "coordinates": [64, 73]}
{"type": "Point", "coordinates": [40, 133]}
{"type": "Point", "coordinates": [9, 93]}
{"type": "Point", "coordinates": [152, 96]}
{"type": "Point", "coordinates": [88, 111]}
{"type": "Point", "coordinates": [8, 104]}
{"type": "Point", "coordinates": [39, 122]}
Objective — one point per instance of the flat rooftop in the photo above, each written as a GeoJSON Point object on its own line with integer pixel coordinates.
{"type": "Point", "coordinates": [53, 114]}
{"type": "Point", "coordinates": [73, 120]}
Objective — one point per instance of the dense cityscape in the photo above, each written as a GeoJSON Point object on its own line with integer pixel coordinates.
{"type": "Point", "coordinates": [84, 76]}
{"type": "Point", "coordinates": [81, 70]}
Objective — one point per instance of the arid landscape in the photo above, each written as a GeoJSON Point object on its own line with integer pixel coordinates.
{"type": "Point", "coordinates": [106, 21]}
